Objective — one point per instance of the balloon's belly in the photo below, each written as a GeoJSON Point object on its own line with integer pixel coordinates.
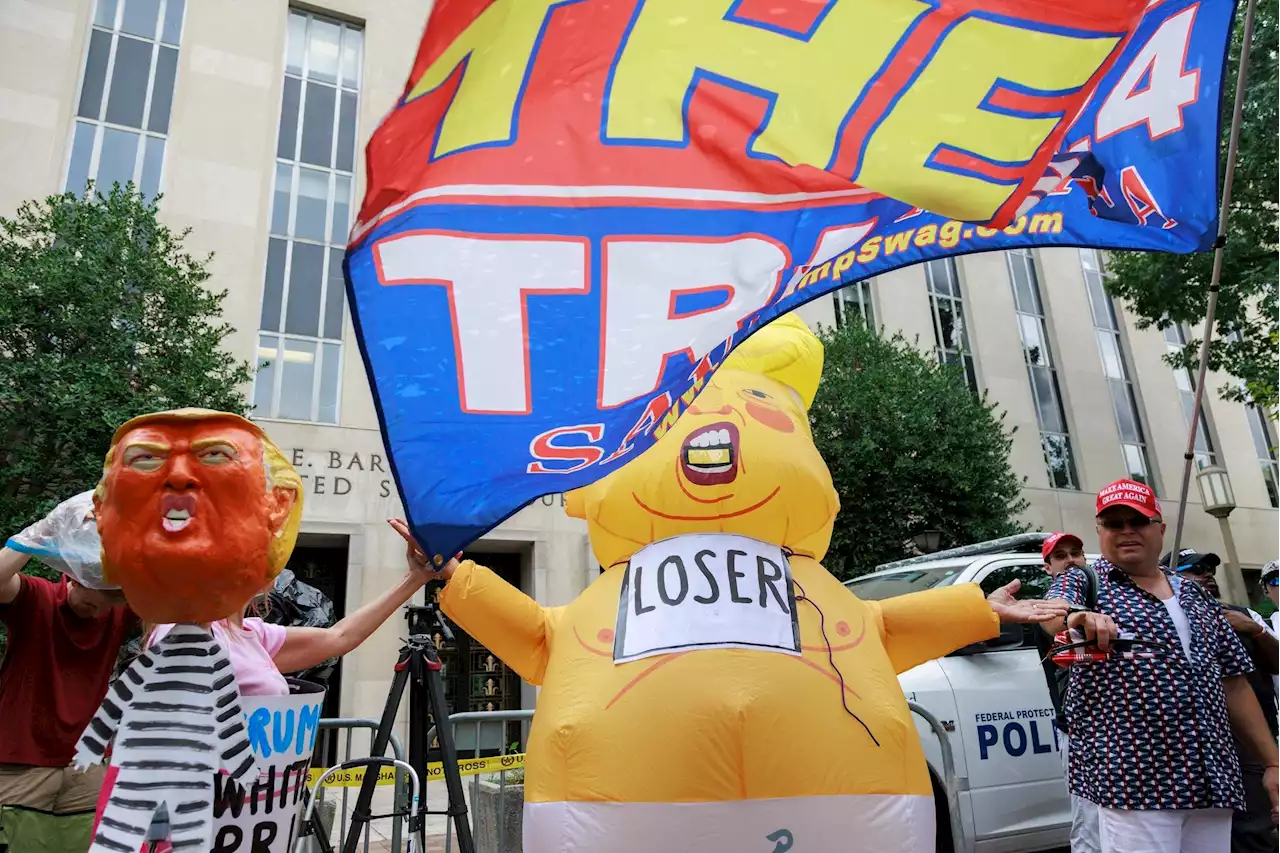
{"type": "Point", "coordinates": [850, 824]}
{"type": "Point", "coordinates": [723, 726]}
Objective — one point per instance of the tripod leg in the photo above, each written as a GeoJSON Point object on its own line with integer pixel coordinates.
{"type": "Point", "coordinates": [448, 754]}
{"type": "Point", "coordinates": [364, 800]}
{"type": "Point", "coordinates": [419, 730]}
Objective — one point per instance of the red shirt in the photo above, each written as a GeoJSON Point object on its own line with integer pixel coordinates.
{"type": "Point", "coordinates": [55, 671]}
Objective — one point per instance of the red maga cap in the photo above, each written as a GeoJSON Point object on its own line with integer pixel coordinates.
{"type": "Point", "coordinates": [1052, 542]}
{"type": "Point", "coordinates": [1131, 494]}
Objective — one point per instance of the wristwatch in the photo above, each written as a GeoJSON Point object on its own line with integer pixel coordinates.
{"type": "Point", "coordinates": [1073, 610]}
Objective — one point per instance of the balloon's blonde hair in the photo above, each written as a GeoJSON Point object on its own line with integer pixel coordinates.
{"type": "Point", "coordinates": [786, 351]}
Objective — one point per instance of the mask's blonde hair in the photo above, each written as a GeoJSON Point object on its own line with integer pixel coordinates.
{"type": "Point", "coordinates": [279, 473]}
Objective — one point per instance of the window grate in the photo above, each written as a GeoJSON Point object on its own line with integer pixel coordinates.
{"type": "Point", "coordinates": [303, 298]}
{"type": "Point", "coordinates": [854, 302]}
{"type": "Point", "coordinates": [1115, 366]}
{"type": "Point", "coordinates": [1175, 338]}
{"type": "Point", "coordinates": [126, 95]}
{"type": "Point", "coordinates": [1037, 354]}
{"type": "Point", "coordinates": [946, 302]}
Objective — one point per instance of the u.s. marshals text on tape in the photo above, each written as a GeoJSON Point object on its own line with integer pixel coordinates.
{"type": "Point", "coordinates": [435, 770]}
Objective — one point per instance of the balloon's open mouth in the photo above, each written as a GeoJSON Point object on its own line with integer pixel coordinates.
{"type": "Point", "coordinates": [710, 455]}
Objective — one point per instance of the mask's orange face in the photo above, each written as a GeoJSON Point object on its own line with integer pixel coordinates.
{"type": "Point", "coordinates": [186, 518]}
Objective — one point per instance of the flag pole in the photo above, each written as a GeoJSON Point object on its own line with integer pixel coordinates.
{"type": "Point", "coordinates": [1233, 147]}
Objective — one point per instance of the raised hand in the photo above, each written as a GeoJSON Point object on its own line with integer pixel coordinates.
{"type": "Point", "coordinates": [417, 559]}
{"type": "Point", "coordinates": [1035, 610]}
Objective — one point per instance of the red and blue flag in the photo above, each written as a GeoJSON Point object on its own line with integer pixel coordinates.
{"type": "Point", "coordinates": [578, 207]}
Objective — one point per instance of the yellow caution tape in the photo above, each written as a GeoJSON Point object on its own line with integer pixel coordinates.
{"type": "Point", "coordinates": [435, 770]}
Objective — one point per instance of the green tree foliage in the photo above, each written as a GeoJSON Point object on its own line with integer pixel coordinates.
{"type": "Point", "coordinates": [103, 316]}
{"type": "Point", "coordinates": [1162, 288]}
{"type": "Point", "coordinates": [910, 448]}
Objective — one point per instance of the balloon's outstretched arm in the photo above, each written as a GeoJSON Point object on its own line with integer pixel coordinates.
{"type": "Point", "coordinates": [505, 620]}
{"type": "Point", "coordinates": [925, 625]}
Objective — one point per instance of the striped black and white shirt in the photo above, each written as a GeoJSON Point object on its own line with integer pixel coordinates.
{"type": "Point", "coordinates": [175, 718]}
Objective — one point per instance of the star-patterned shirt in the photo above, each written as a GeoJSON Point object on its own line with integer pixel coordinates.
{"type": "Point", "coordinates": [1153, 733]}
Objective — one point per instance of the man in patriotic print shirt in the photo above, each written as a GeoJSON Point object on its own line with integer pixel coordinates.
{"type": "Point", "coordinates": [1151, 737]}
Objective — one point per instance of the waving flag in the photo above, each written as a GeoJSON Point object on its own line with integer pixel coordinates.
{"type": "Point", "coordinates": [578, 207]}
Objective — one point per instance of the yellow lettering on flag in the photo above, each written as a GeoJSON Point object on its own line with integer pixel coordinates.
{"type": "Point", "coordinates": [899, 242]}
{"type": "Point", "coordinates": [1046, 223]}
{"type": "Point", "coordinates": [942, 106]}
{"type": "Point", "coordinates": [668, 420]}
{"type": "Point", "coordinates": [815, 274]}
{"type": "Point", "coordinates": [498, 48]}
{"type": "Point", "coordinates": [815, 82]}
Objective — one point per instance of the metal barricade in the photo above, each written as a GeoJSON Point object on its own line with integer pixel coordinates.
{"type": "Point", "coordinates": [339, 732]}
{"type": "Point", "coordinates": [950, 783]}
{"type": "Point", "coordinates": [494, 820]}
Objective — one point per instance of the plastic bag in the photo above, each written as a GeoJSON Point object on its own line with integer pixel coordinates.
{"type": "Point", "coordinates": [67, 540]}
{"type": "Point", "coordinates": [292, 603]}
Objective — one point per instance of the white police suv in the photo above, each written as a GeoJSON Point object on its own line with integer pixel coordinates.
{"type": "Point", "coordinates": [992, 700]}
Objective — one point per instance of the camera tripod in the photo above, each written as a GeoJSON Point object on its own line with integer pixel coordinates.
{"type": "Point", "coordinates": [419, 666]}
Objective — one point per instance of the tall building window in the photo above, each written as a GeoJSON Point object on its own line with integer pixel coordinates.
{"type": "Point", "coordinates": [1175, 339]}
{"type": "Point", "coordinates": [947, 304]}
{"type": "Point", "coordinates": [126, 95]}
{"type": "Point", "coordinates": [854, 302]}
{"type": "Point", "coordinates": [1264, 441]}
{"type": "Point", "coordinates": [1264, 444]}
{"type": "Point", "coordinates": [1055, 439]}
{"type": "Point", "coordinates": [303, 301]}
{"type": "Point", "coordinates": [1115, 365]}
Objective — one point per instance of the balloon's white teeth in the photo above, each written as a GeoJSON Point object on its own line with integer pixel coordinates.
{"type": "Point", "coordinates": [711, 438]}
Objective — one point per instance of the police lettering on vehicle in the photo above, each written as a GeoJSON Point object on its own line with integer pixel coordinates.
{"type": "Point", "coordinates": [706, 591]}
{"type": "Point", "coordinates": [1016, 733]}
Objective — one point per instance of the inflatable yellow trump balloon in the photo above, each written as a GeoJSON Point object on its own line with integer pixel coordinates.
{"type": "Point", "coordinates": [716, 689]}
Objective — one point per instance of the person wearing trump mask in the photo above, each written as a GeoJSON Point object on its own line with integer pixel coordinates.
{"type": "Point", "coordinates": [198, 512]}
{"type": "Point", "coordinates": [174, 488]}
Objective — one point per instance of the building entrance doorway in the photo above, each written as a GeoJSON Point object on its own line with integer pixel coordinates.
{"type": "Point", "coordinates": [475, 679]}
{"type": "Point", "coordinates": [320, 560]}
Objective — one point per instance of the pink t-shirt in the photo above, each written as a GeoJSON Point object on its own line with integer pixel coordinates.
{"type": "Point", "coordinates": [251, 650]}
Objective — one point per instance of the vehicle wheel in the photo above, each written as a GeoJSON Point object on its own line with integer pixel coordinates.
{"type": "Point", "coordinates": [942, 818]}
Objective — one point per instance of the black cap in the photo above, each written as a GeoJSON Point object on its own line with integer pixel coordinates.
{"type": "Point", "coordinates": [1187, 558]}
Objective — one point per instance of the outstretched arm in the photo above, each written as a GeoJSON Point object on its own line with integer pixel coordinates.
{"type": "Point", "coordinates": [927, 625]}
{"type": "Point", "coordinates": [92, 745]}
{"type": "Point", "coordinates": [306, 647]}
{"type": "Point", "coordinates": [505, 620]}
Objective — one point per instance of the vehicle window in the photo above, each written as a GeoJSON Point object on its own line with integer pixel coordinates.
{"type": "Point", "coordinates": [1035, 580]}
{"type": "Point", "coordinates": [1035, 583]}
{"type": "Point", "coordinates": [900, 583]}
